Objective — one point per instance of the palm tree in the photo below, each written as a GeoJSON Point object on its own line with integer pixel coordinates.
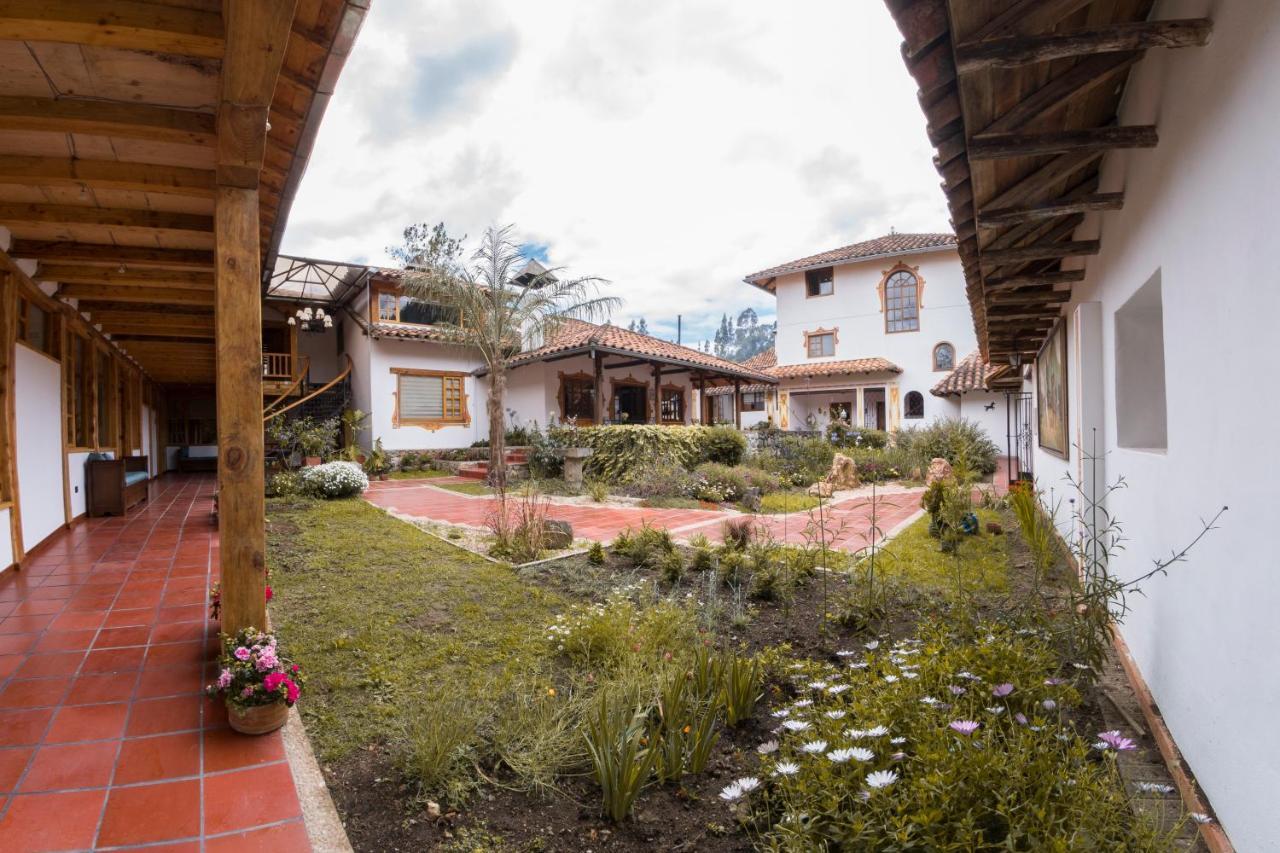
{"type": "Point", "coordinates": [498, 308]}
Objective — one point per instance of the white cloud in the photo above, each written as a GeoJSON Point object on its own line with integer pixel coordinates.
{"type": "Point", "coordinates": [671, 146]}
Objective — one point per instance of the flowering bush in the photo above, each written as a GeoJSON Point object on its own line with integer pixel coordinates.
{"type": "Point", "coordinates": [215, 598]}
{"type": "Point", "coordinates": [335, 480]}
{"type": "Point", "coordinates": [252, 671]}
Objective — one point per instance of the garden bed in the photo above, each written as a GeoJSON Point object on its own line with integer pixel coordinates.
{"type": "Point", "coordinates": [447, 693]}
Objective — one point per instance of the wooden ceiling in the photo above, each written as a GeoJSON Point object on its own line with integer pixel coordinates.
{"type": "Point", "coordinates": [108, 156]}
{"type": "Point", "coordinates": [1021, 99]}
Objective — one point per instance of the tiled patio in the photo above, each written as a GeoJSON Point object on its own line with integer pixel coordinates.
{"type": "Point", "coordinates": [106, 739]}
{"type": "Point", "coordinates": [848, 521]}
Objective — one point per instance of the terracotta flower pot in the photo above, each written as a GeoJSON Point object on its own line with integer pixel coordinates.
{"type": "Point", "coordinates": [311, 461]}
{"type": "Point", "coordinates": [259, 719]}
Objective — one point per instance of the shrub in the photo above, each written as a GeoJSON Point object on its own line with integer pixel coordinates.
{"type": "Point", "coordinates": [334, 480]}
{"type": "Point", "coordinates": [616, 733]}
{"type": "Point", "coordinates": [284, 484]}
{"type": "Point", "coordinates": [758, 478]}
{"type": "Point", "coordinates": [672, 565]}
{"type": "Point", "coordinates": [845, 435]}
{"type": "Point", "coordinates": [738, 533]}
{"type": "Point", "coordinates": [410, 461]}
{"type": "Point", "coordinates": [440, 745]}
{"type": "Point", "coordinates": [663, 479]}
{"type": "Point", "coordinates": [722, 444]}
{"type": "Point", "coordinates": [743, 681]}
{"type": "Point", "coordinates": [701, 561]}
{"type": "Point", "coordinates": [776, 502]}
{"type": "Point", "coordinates": [719, 483]}
{"type": "Point", "coordinates": [730, 570]}
{"type": "Point", "coordinates": [595, 554]}
{"type": "Point", "coordinates": [961, 442]}
{"type": "Point", "coordinates": [598, 490]}
{"type": "Point", "coordinates": [519, 526]}
{"type": "Point", "coordinates": [645, 547]}
{"type": "Point", "coordinates": [798, 459]}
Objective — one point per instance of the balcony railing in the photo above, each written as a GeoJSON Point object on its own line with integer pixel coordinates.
{"type": "Point", "coordinates": [277, 366]}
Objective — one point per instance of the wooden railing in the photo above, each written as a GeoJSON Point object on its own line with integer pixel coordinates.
{"type": "Point", "coordinates": [277, 366]}
{"type": "Point", "coordinates": [270, 411]}
{"type": "Point", "coordinates": [304, 363]}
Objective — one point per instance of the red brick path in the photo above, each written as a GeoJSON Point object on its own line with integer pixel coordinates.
{"type": "Point", "coordinates": [848, 522]}
{"type": "Point", "coordinates": [106, 740]}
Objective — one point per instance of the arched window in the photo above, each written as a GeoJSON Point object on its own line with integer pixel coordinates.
{"type": "Point", "coordinates": [913, 405]}
{"type": "Point", "coordinates": [902, 302]}
{"type": "Point", "coordinates": [944, 357]}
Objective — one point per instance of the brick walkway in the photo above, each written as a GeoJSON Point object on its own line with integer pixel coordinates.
{"type": "Point", "coordinates": [848, 522]}
{"type": "Point", "coordinates": [106, 740]}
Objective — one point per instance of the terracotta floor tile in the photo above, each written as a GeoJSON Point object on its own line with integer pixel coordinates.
{"type": "Point", "coordinates": [99, 687]}
{"type": "Point", "coordinates": [170, 682]}
{"type": "Point", "coordinates": [17, 644]}
{"type": "Point", "coordinates": [74, 621]}
{"type": "Point", "coordinates": [54, 663]}
{"type": "Point", "coordinates": [34, 694]}
{"type": "Point", "coordinates": [9, 664]}
{"type": "Point", "coordinates": [25, 624]}
{"type": "Point", "coordinates": [226, 750]}
{"type": "Point", "coordinates": [65, 641]}
{"type": "Point", "coordinates": [282, 838]}
{"type": "Point", "coordinates": [88, 722]}
{"type": "Point", "coordinates": [24, 727]}
{"type": "Point", "coordinates": [80, 765]}
{"type": "Point", "coordinates": [152, 759]}
{"type": "Point", "coordinates": [12, 764]}
{"type": "Point", "coordinates": [160, 716]}
{"type": "Point", "coordinates": [64, 821]}
{"type": "Point", "coordinates": [146, 813]}
{"type": "Point", "coordinates": [114, 660]}
{"type": "Point", "coordinates": [128, 618]}
{"type": "Point", "coordinates": [112, 638]}
{"type": "Point", "coordinates": [246, 798]}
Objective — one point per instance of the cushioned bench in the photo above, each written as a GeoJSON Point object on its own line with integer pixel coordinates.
{"type": "Point", "coordinates": [114, 485]}
{"type": "Point", "coordinates": [197, 459]}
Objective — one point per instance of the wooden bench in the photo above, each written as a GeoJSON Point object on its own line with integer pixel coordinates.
{"type": "Point", "coordinates": [114, 485]}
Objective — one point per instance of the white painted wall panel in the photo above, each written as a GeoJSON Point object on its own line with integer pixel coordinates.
{"type": "Point", "coordinates": [38, 390]}
{"type": "Point", "coordinates": [6, 540]}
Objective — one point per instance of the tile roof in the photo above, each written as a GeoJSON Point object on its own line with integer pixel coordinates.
{"type": "Point", "coordinates": [412, 332]}
{"type": "Point", "coordinates": [763, 360]}
{"type": "Point", "coordinates": [880, 247]}
{"type": "Point", "coordinates": [832, 368]}
{"type": "Point", "coordinates": [581, 335]}
{"type": "Point", "coordinates": [971, 374]}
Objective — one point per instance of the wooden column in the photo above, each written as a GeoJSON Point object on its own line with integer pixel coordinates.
{"type": "Point", "coordinates": [701, 385]}
{"type": "Point", "coordinates": [598, 390]}
{"type": "Point", "coordinates": [657, 393]}
{"type": "Point", "coordinates": [859, 405]}
{"type": "Point", "coordinates": [9, 412]}
{"type": "Point", "coordinates": [238, 326]}
{"type": "Point", "coordinates": [737, 403]}
{"type": "Point", "coordinates": [257, 32]}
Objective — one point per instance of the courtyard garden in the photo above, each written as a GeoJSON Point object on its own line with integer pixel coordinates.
{"type": "Point", "coordinates": [939, 692]}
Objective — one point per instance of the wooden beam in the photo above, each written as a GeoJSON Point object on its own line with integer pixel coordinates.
{"type": "Point", "coordinates": [94, 254]}
{"type": "Point", "coordinates": [1038, 182]}
{"type": "Point", "coordinates": [76, 274]}
{"type": "Point", "coordinates": [257, 35]}
{"type": "Point", "coordinates": [657, 392]}
{"type": "Point", "coordinates": [158, 330]}
{"type": "Point", "coordinates": [737, 403]}
{"type": "Point", "coordinates": [1013, 51]}
{"type": "Point", "coordinates": [997, 216]}
{"type": "Point", "coordinates": [148, 295]}
{"type": "Point", "coordinates": [1013, 282]}
{"type": "Point", "coordinates": [597, 387]}
{"type": "Point", "coordinates": [1005, 146]}
{"type": "Point", "coordinates": [105, 174]}
{"type": "Point", "coordinates": [121, 24]}
{"type": "Point", "coordinates": [1037, 251]}
{"type": "Point", "coordinates": [107, 118]}
{"type": "Point", "coordinates": [8, 411]}
{"type": "Point", "coordinates": [1027, 297]}
{"type": "Point", "coordinates": [1078, 80]}
{"type": "Point", "coordinates": [1027, 17]}
{"type": "Point", "coordinates": [140, 220]}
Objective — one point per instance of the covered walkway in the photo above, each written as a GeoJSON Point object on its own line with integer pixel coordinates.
{"type": "Point", "coordinates": [106, 739]}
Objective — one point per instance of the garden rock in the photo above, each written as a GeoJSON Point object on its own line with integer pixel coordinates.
{"type": "Point", "coordinates": [939, 469]}
{"type": "Point", "coordinates": [843, 473]}
{"type": "Point", "coordinates": [559, 533]}
{"type": "Point", "coordinates": [821, 489]}
{"type": "Point", "coordinates": [751, 500]}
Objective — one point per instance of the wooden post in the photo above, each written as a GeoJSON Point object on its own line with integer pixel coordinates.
{"type": "Point", "coordinates": [257, 32]}
{"type": "Point", "coordinates": [599, 388]}
{"type": "Point", "coordinates": [737, 403]}
{"type": "Point", "coordinates": [701, 385]}
{"type": "Point", "coordinates": [238, 325]}
{"type": "Point", "coordinates": [859, 403]}
{"type": "Point", "coordinates": [657, 393]}
{"type": "Point", "coordinates": [9, 413]}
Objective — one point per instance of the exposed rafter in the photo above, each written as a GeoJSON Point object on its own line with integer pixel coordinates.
{"type": "Point", "coordinates": [994, 217]}
{"type": "Point", "coordinates": [120, 23]}
{"type": "Point", "coordinates": [1012, 51]}
{"type": "Point", "coordinates": [145, 220]}
{"type": "Point", "coordinates": [95, 254]}
{"type": "Point", "coordinates": [1004, 146]}
{"type": "Point", "coordinates": [106, 174]}
{"type": "Point", "coordinates": [107, 118]}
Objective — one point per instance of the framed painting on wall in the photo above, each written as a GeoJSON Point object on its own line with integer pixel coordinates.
{"type": "Point", "coordinates": [1051, 392]}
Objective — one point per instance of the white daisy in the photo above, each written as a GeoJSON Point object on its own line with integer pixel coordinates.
{"type": "Point", "coordinates": [845, 653]}
{"type": "Point", "coordinates": [835, 715]}
{"type": "Point", "coordinates": [795, 725]}
{"type": "Point", "coordinates": [891, 678]}
{"type": "Point", "coordinates": [731, 792]}
{"type": "Point", "coordinates": [928, 700]}
{"type": "Point", "coordinates": [871, 646]}
{"type": "Point", "coordinates": [840, 756]}
{"type": "Point", "coordinates": [858, 665]}
{"type": "Point", "coordinates": [1200, 817]}
{"type": "Point", "coordinates": [906, 673]}
{"type": "Point", "coordinates": [837, 689]}
{"type": "Point", "coordinates": [882, 778]}
{"type": "Point", "coordinates": [876, 731]}
{"type": "Point", "coordinates": [782, 712]}
{"type": "Point", "coordinates": [897, 740]}
{"type": "Point", "coordinates": [803, 703]}
{"type": "Point", "coordinates": [1154, 788]}
{"type": "Point", "coordinates": [996, 709]}
{"type": "Point", "coordinates": [814, 747]}
{"type": "Point", "coordinates": [767, 747]}
{"type": "Point", "coordinates": [817, 685]}
{"type": "Point", "coordinates": [786, 768]}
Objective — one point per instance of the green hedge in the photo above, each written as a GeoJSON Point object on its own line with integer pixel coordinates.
{"type": "Point", "coordinates": [620, 450]}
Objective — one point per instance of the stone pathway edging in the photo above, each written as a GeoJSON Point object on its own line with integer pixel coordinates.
{"type": "Point", "coordinates": [319, 814]}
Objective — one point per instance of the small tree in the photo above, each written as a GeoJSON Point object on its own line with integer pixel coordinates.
{"type": "Point", "coordinates": [496, 312]}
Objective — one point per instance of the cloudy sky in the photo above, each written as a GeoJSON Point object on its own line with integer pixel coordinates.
{"type": "Point", "coordinates": [670, 146]}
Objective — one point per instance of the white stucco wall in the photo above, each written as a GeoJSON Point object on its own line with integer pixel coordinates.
{"type": "Point", "coordinates": [853, 309]}
{"type": "Point", "coordinates": [385, 354]}
{"type": "Point", "coordinates": [322, 350]}
{"type": "Point", "coordinates": [1200, 209]}
{"type": "Point", "coordinates": [6, 540]}
{"type": "Point", "coordinates": [973, 407]}
{"type": "Point", "coordinates": [38, 384]}
{"type": "Point", "coordinates": [356, 344]}
{"type": "Point", "coordinates": [75, 478]}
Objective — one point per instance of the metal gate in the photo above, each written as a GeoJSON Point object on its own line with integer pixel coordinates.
{"type": "Point", "coordinates": [1019, 410]}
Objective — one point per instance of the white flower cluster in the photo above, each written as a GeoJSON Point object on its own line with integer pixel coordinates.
{"type": "Point", "coordinates": [335, 479]}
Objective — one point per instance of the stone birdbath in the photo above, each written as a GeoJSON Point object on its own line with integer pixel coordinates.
{"type": "Point", "coordinates": [574, 459]}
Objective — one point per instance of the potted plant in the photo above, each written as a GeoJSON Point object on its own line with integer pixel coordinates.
{"type": "Point", "coordinates": [257, 683]}
{"type": "Point", "coordinates": [315, 439]}
{"type": "Point", "coordinates": [377, 465]}
{"type": "Point", "coordinates": [352, 421]}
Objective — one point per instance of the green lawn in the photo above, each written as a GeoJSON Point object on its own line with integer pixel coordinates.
{"type": "Point", "coordinates": [385, 618]}
{"type": "Point", "coordinates": [914, 557]}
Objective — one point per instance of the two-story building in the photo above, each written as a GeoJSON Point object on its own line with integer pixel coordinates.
{"type": "Point", "coordinates": [876, 334]}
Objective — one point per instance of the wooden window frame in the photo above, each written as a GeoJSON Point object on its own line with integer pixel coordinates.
{"type": "Point", "coordinates": [446, 377]}
{"type": "Point", "coordinates": [631, 382]}
{"type": "Point", "coordinates": [52, 325]}
{"type": "Point", "coordinates": [760, 394]}
{"type": "Point", "coordinates": [112, 404]}
{"type": "Point", "coordinates": [934, 357]}
{"type": "Point", "coordinates": [883, 289]}
{"type": "Point", "coordinates": [679, 391]}
{"type": "Point", "coordinates": [906, 402]}
{"type": "Point", "coordinates": [820, 332]}
{"type": "Point", "coordinates": [831, 281]}
{"type": "Point", "coordinates": [83, 406]}
{"type": "Point", "coordinates": [377, 289]}
{"type": "Point", "coordinates": [580, 377]}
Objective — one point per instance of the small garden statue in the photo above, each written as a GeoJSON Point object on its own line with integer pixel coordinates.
{"type": "Point", "coordinates": [939, 469]}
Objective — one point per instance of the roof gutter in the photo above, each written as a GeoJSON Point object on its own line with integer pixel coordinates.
{"type": "Point", "coordinates": [353, 14]}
